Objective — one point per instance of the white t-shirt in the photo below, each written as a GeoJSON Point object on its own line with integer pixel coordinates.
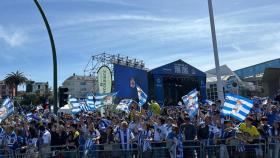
{"type": "Point", "coordinates": [46, 137]}
{"type": "Point", "coordinates": [160, 132]}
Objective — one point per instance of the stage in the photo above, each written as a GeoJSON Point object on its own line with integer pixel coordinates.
{"type": "Point", "coordinates": [168, 83]}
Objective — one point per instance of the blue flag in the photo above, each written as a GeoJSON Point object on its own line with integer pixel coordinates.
{"type": "Point", "coordinates": [191, 102]}
{"type": "Point", "coordinates": [29, 117]}
{"type": "Point", "coordinates": [142, 96]}
{"type": "Point", "coordinates": [237, 106]}
{"type": "Point", "coordinates": [124, 105]}
{"type": "Point", "coordinates": [6, 109]}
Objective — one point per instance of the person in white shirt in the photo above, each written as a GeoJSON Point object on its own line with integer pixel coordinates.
{"type": "Point", "coordinates": [168, 125]}
{"type": "Point", "coordinates": [160, 131]}
{"type": "Point", "coordinates": [45, 149]}
{"type": "Point", "coordinates": [135, 125]}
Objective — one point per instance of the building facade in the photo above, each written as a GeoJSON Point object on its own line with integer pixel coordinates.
{"type": "Point", "coordinates": [80, 86]}
{"type": "Point", "coordinates": [255, 74]}
{"type": "Point", "coordinates": [41, 88]}
{"type": "Point", "coordinates": [5, 90]}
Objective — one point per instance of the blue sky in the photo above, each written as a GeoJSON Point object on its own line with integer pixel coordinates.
{"type": "Point", "coordinates": [156, 31]}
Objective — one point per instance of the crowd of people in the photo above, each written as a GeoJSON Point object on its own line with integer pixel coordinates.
{"type": "Point", "coordinates": [147, 129]}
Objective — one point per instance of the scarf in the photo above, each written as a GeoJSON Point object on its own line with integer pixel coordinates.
{"type": "Point", "coordinates": [89, 142]}
{"type": "Point", "coordinates": [125, 142]}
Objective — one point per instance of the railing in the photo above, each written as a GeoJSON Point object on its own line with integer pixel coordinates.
{"type": "Point", "coordinates": [265, 148]}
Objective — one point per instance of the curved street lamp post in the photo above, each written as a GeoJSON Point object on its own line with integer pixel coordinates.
{"type": "Point", "coordinates": [53, 54]}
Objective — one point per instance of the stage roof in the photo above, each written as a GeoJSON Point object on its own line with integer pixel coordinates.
{"type": "Point", "coordinates": [178, 68]}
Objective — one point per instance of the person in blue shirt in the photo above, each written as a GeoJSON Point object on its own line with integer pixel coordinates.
{"type": "Point", "coordinates": [11, 140]}
{"type": "Point", "coordinates": [272, 116]}
{"type": "Point", "coordinates": [227, 134]}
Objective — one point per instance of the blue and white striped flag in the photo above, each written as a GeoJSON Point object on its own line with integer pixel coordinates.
{"type": "Point", "coordinates": [29, 117]}
{"type": "Point", "coordinates": [124, 105]}
{"type": "Point", "coordinates": [6, 109]}
{"type": "Point", "coordinates": [142, 96]}
{"type": "Point", "coordinates": [191, 102]}
{"type": "Point", "coordinates": [100, 100]}
{"type": "Point", "coordinates": [90, 101]}
{"type": "Point", "coordinates": [86, 108]}
{"type": "Point", "coordinates": [74, 102]}
{"type": "Point", "coordinates": [237, 106]}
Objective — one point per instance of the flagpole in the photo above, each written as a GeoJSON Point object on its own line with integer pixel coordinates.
{"type": "Point", "coordinates": [216, 55]}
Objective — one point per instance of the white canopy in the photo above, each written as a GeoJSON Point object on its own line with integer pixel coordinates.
{"type": "Point", "coordinates": [66, 109]}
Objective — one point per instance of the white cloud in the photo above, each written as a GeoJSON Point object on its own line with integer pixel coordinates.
{"type": "Point", "coordinates": [82, 20]}
{"type": "Point", "coordinates": [12, 38]}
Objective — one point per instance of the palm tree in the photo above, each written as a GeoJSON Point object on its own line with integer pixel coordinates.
{"type": "Point", "coordinates": [15, 79]}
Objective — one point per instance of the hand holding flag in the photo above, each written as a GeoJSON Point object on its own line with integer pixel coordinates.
{"type": "Point", "coordinates": [191, 102]}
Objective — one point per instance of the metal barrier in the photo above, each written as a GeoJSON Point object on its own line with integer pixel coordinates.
{"type": "Point", "coordinates": [236, 148]}
{"type": "Point", "coordinates": [191, 149]}
{"type": "Point", "coordinates": [273, 147]}
{"type": "Point", "coordinates": [6, 153]}
{"type": "Point", "coordinates": [48, 151]}
{"type": "Point", "coordinates": [109, 151]}
{"type": "Point", "coordinates": [158, 150]}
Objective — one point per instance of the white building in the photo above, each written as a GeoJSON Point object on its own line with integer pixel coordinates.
{"type": "Point", "coordinates": [79, 86]}
{"type": "Point", "coordinates": [230, 81]}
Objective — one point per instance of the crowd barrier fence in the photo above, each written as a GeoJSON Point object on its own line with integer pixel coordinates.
{"type": "Point", "coordinates": [262, 148]}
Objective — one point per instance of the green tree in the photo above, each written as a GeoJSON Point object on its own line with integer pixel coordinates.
{"type": "Point", "coordinates": [15, 79]}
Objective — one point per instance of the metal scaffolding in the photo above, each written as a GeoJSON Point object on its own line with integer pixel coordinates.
{"type": "Point", "coordinates": [96, 61]}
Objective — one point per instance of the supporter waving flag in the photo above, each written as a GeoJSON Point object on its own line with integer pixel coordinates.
{"type": "Point", "coordinates": [237, 106]}
{"type": "Point", "coordinates": [29, 116]}
{"type": "Point", "coordinates": [100, 100]}
{"type": "Point", "coordinates": [142, 96]}
{"type": "Point", "coordinates": [191, 102]}
{"type": "Point", "coordinates": [6, 109]}
{"type": "Point", "coordinates": [124, 105]}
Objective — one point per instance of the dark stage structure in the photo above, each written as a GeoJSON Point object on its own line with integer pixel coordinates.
{"type": "Point", "coordinates": [168, 83]}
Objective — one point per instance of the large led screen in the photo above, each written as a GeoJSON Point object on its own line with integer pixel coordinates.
{"type": "Point", "coordinates": [125, 81]}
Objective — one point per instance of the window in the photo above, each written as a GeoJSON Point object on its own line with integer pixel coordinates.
{"type": "Point", "coordinates": [83, 89]}
{"type": "Point", "coordinates": [39, 86]}
{"type": "Point", "coordinates": [82, 83]}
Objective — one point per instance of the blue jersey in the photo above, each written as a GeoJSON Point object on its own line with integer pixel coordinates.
{"type": "Point", "coordinates": [11, 140]}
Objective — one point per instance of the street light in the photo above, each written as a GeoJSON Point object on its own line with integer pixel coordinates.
{"type": "Point", "coordinates": [53, 54]}
{"type": "Point", "coordinates": [216, 55]}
